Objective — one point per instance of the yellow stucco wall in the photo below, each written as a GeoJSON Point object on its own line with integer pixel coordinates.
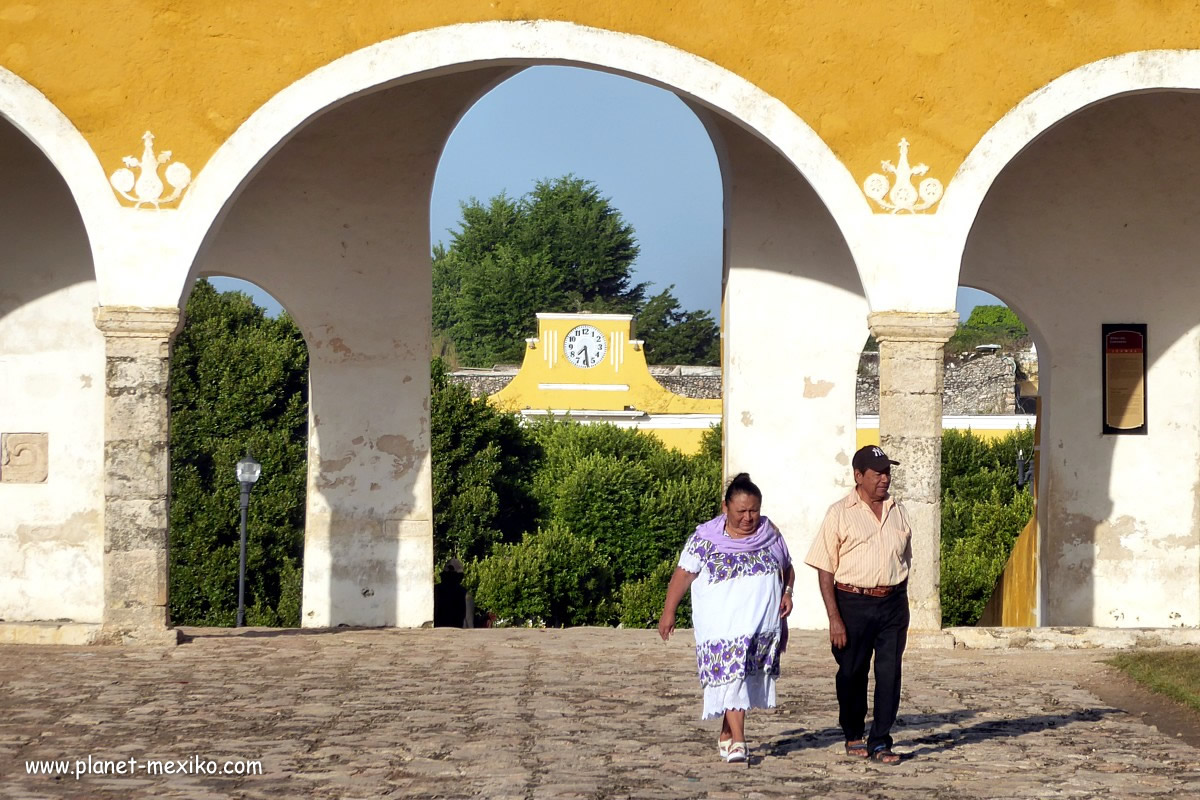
{"type": "Point", "coordinates": [618, 384]}
{"type": "Point", "coordinates": [1014, 601]}
{"type": "Point", "coordinates": [863, 75]}
{"type": "Point", "coordinates": [621, 380]}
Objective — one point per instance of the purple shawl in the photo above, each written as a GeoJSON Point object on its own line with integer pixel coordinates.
{"type": "Point", "coordinates": [765, 536]}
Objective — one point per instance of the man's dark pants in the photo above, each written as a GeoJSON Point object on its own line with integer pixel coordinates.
{"type": "Point", "coordinates": [879, 625]}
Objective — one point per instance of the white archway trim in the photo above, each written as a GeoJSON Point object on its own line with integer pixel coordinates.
{"type": "Point", "coordinates": [66, 148]}
{"type": "Point", "coordinates": [1128, 73]}
{"type": "Point", "coordinates": [448, 49]}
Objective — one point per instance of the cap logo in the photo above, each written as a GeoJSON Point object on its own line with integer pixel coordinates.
{"type": "Point", "coordinates": [875, 451]}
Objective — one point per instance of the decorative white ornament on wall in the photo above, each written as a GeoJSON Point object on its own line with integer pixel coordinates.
{"type": "Point", "coordinates": [146, 187]}
{"type": "Point", "coordinates": [902, 195]}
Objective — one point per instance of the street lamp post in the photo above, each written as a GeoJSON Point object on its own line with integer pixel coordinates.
{"type": "Point", "coordinates": [248, 471]}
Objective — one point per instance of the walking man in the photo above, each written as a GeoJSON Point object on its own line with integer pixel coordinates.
{"type": "Point", "coordinates": [862, 555]}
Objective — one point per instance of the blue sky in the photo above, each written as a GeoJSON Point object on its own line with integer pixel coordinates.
{"type": "Point", "coordinates": [644, 149]}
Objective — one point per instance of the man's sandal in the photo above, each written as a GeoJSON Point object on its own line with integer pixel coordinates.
{"type": "Point", "coordinates": [884, 755]}
{"type": "Point", "coordinates": [737, 753]}
{"type": "Point", "coordinates": [857, 748]}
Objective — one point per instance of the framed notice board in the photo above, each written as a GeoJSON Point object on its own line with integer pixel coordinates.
{"type": "Point", "coordinates": [1124, 356]}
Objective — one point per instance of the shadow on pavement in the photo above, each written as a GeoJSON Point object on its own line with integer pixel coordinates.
{"type": "Point", "coordinates": [190, 633]}
{"type": "Point", "coordinates": [1007, 728]}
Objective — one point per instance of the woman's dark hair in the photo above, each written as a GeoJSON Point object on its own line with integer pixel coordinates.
{"type": "Point", "coordinates": [741, 484]}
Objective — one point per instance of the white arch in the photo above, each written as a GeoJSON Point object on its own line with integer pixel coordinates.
{"type": "Point", "coordinates": [66, 148]}
{"type": "Point", "coordinates": [457, 47]}
{"type": "Point", "coordinates": [1128, 73]}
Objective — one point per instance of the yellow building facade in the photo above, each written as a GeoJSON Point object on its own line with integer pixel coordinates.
{"type": "Point", "coordinates": [591, 368]}
{"type": "Point", "coordinates": [874, 157]}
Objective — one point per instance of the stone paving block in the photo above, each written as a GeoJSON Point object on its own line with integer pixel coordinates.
{"type": "Point", "coordinates": [594, 713]}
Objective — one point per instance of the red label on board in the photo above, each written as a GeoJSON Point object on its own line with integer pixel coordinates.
{"type": "Point", "coordinates": [1124, 342]}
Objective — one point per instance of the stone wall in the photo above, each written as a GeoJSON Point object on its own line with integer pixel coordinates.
{"type": "Point", "coordinates": [695, 382]}
{"type": "Point", "coordinates": [483, 382]}
{"type": "Point", "coordinates": [980, 384]}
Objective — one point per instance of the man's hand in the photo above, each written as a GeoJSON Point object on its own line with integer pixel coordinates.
{"type": "Point", "coordinates": [666, 625]}
{"type": "Point", "coordinates": [837, 632]}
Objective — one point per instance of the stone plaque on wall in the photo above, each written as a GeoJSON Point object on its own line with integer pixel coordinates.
{"type": "Point", "coordinates": [24, 457]}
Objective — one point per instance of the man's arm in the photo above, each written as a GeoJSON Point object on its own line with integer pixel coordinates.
{"type": "Point", "coordinates": [837, 628]}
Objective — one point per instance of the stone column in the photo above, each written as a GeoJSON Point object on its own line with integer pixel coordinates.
{"type": "Point", "coordinates": [136, 486]}
{"type": "Point", "coordinates": [911, 349]}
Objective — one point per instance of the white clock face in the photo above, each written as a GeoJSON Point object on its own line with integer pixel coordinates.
{"type": "Point", "coordinates": [584, 346]}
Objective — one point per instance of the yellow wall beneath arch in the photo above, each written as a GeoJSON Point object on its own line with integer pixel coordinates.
{"type": "Point", "coordinates": [940, 72]}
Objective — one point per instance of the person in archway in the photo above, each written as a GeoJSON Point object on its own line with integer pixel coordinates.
{"type": "Point", "coordinates": [862, 555]}
{"type": "Point", "coordinates": [741, 576]}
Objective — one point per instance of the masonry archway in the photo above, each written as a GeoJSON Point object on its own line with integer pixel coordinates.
{"type": "Point", "coordinates": [238, 386]}
{"type": "Point", "coordinates": [1091, 224]}
{"type": "Point", "coordinates": [52, 391]}
{"type": "Point", "coordinates": [337, 219]}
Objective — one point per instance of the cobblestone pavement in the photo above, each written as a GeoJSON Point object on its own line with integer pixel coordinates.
{"type": "Point", "coordinates": [583, 713]}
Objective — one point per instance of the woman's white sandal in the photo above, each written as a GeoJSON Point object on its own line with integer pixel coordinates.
{"type": "Point", "coordinates": [723, 747]}
{"type": "Point", "coordinates": [737, 752]}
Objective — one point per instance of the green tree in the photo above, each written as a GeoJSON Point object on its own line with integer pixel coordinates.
{"type": "Point", "coordinates": [990, 324]}
{"type": "Point", "coordinates": [238, 380]}
{"type": "Point", "coordinates": [482, 467]}
{"type": "Point", "coordinates": [997, 318]}
{"type": "Point", "coordinates": [497, 304]}
{"type": "Point", "coordinates": [675, 336]}
{"type": "Point", "coordinates": [586, 241]}
{"type": "Point", "coordinates": [561, 248]}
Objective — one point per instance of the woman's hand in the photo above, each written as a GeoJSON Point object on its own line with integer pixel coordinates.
{"type": "Point", "coordinates": [785, 606]}
{"type": "Point", "coordinates": [666, 624]}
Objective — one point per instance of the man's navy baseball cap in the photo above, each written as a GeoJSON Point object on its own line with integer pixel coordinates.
{"type": "Point", "coordinates": [871, 457]}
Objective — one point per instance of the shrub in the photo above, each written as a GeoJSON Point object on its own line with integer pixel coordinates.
{"type": "Point", "coordinates": [483, 465]}
{"type": "Point", "coordinates": [564, 442]}
{"type": "Point", "coordinates": [669, 515]}
{"type": "Point", "coordinates": [983, 513]}
{"type": "Point", "coordinates": [600, 496]}
{"type": "Point", "coordinates": [551, 577]}
{"type": "Point", "coordinates": [642, 600]}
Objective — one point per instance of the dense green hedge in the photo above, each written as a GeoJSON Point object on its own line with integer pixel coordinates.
{"type": "Point", "coordinates": [238, 380]}
{"type": "Point", "coordinates": [557, 523]}
{"type": "Point", "coordinates": [634, 500]}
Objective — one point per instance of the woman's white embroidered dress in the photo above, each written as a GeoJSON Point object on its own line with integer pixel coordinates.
{"type": "Point", "coordinates": [735, 610]}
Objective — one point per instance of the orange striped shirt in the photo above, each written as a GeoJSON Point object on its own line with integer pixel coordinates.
{"type": "Point", "coordinates": [858, 548]}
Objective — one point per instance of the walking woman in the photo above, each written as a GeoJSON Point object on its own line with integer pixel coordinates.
{"type": "Point", "coordinates": [741, 576]}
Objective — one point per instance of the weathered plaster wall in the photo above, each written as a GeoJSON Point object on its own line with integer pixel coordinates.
{"type": "Point", "coordinates": [792, 296]}
{"type": "Point", "coordinates": [336, 227]}
{"type": "Point", "coordinates": [861, 76]}
{"type": "Point", "coordinates": [1093, 224]}
{"type": "Point", "coordinates": [51, 381]}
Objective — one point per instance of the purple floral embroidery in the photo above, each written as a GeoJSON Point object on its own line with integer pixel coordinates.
{"type": "Point", "coordinates": [722, 661]}
{"type": "Point", "coordinates": [724, 566]}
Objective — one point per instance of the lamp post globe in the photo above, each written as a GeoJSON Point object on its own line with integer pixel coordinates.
{"type": "Point", "coordinates": [248, 472]}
